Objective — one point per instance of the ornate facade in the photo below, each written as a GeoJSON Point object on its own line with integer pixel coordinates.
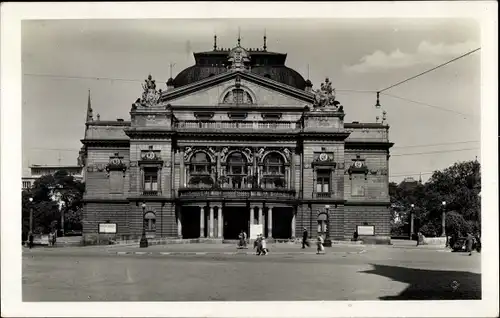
{"type": "Point", "coordinates": [236, 139]}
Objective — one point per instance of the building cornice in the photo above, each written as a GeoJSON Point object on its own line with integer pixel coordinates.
{"type": "Point", "coordinates": [106, 142]}
{"type": "Point", "coordinates": [368, 145]}
{"type": "Point", "coordinates": [217, 79]}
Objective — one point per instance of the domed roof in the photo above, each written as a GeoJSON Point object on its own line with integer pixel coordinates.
{"type": "Point", "coordinates": [260, 62]}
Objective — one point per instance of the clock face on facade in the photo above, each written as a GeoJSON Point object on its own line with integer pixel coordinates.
{"type": "Point", "coordinates": [358, 164]}
{"type": "Point", "coordinates": [323, 157]}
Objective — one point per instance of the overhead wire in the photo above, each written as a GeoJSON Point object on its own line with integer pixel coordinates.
{"type": "Point", "coordinates": [430, 70]}
{"type": "Point", "coordinates": [428, 105]}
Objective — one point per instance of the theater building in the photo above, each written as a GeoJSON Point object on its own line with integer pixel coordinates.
{"type": "Point", "coordinates": [234, 140]}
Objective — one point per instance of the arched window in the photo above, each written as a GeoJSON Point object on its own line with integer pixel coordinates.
{"type": "Point", "coordinates": [274, 171]}
{"type": "Point", "coordinates": [322, 223]}
{"type": "Point", "coordinates": [200, 164]}
{"type": "Point", "coordinates": [237, 96]}
{"type": "Point", "coordinates": [150, 221]}
{"type": "Point", "coordinates": [237, 169]}
{"type": "Point", "coordinates": [199, 170]}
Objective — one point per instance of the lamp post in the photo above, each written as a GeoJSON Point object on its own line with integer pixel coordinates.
{"type": "Point", "coordinates": [328, 242]}
{"type": "Point", "coordinates": [443, 219]}
{"type": "Point", "coordinates": [144, 240]}
{"type": "Point", "coordinates": [411, 221]}
{"type": "Point", "coordinates": [31, 215]}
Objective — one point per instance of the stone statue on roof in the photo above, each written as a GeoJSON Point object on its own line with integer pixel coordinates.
{"type": "Point", "coordinates": [151, 95]}
{"type": "Point", "coordinates": [324, 98]}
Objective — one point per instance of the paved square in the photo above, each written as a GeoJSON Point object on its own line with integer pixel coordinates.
{"type": "Point", "coordinates": [345, 273]}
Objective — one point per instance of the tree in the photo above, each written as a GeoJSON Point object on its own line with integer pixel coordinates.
{"type": "Point", "coordinates": [47, 192]}
{"type": "Point", "coordinates": [458, 185]}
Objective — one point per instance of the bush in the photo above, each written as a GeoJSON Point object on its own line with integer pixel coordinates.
{"type": "Point", "coordinates": [456, 224]}
{"type": "Point", "coordinates": [430, 230]}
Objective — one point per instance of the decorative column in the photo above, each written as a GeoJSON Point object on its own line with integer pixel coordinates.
{"type": "Point", "coordinates": [211, 223]}
{"type": "Point", "coordinates": [292, 167]}
{"type": "Point", "coordinates": [179, 226]}
{"type": "Point", "coordinates": [293, 224]}
{"type": "Point", "coordinates": [270, 222]}
{"type": "Point", "coordinates": [260, 221]}
{"type": "Point", "coordinates": [181, 165]}
{"type": "Point", "coordinates": [220, 222]}
{"type": "Point", "coordinates": [202, 222]}
{"type": "Point", "coordinates": [252, 215]}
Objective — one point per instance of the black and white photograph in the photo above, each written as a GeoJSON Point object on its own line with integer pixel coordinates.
{"type": "Point", "coordinates": [212, 160]}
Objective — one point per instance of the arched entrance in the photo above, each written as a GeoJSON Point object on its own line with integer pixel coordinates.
{"type": "Point", "coordinates": [150, 224]}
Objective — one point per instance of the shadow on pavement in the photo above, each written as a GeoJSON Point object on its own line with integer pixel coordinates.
{"type": "Point", "coordinates": [431, 284]}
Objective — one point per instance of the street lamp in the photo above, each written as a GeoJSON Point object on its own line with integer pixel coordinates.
{"type": "Point", "coordinates": [31, 215]}
{"type": "Point", "coordinates": [443, 219]}
{"type": "Point", "coordinates": [411, 221]}
{"type": "Point", "coordinates": [144, 240]}
{"type": "Point", "coordinates": [328, 242]}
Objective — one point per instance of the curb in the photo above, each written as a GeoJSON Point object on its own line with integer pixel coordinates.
{"type": "Point", "coordinates": [228, 253]}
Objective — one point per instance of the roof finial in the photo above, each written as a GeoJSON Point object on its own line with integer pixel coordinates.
{"type": "Point", "coordinates": [265, 38]}
{"type": "Point", "coordinates": [215, 43]}
{"type": "Point", "coordinates": [171, 67]}
{"type": "Point", "coordinates": [90, 116]}
{"type": "Point", "coordinates": [420, 178]}
{"type": "Point", "coordinates": [239, 36]}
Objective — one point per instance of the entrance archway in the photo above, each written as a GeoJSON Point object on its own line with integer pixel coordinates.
{"type": "Point", "coordinates": [282, 222]}
{"type": "Point", "coordinates": [190, 219]}
{"type": "Point", "coordinates": [236, 219]}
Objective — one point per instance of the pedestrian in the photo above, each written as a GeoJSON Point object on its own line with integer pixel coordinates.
{"type": "Point", "coordinates": [469, 241]}
{"type": "Point", "coordinates": [320, 246]}
{"type": "Point", "coordinates": [263, 245]}
{"type": "Point", "coordinates": [54, 238]}
{"type": "Point", "coordinates": [50, 239]}
{"type": "Point", "coordinates": [419, 238]}
{"type": "Point", "coordinates": [244, 239]}
{"type": "Point", "coordinates": [240, 241]}
{"type": "Point", "coordinates": [304, 238]}
{"type": "Point", "coordinates": [30, 240]}
{"type": "Point", "coordinates": [257, 245]}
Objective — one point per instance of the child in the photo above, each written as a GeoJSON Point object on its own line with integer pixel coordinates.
{"type": "Point", "coordinates": [320, 248]}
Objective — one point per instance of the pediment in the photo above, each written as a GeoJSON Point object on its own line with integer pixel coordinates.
{"type": "Point", "coordinates": [255, 90]}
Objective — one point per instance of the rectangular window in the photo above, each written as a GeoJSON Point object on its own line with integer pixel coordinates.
{"type": "Point", "coordinates": [358, 185]}
{"type": "Point", "coordinates": [323, 181]}
{"type": "Point", "coordinates": [116, 182]}
{"type": "Point", "coordinates": [150, 179]}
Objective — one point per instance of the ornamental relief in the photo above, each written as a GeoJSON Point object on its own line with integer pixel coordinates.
{"type": "Point", "coordinates": [189, 151]}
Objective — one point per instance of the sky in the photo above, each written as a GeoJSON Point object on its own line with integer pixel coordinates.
{"type": "Point", "coordinates": [434, 119]}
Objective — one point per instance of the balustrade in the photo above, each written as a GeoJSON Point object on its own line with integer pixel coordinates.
{"type": "Point", "coordinates": [226, 124]}
{"type": "Point", "coordinates": [237, 193]}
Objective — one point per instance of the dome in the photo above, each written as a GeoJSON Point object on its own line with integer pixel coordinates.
{"type": "Point", "coordinates": [263, 63]}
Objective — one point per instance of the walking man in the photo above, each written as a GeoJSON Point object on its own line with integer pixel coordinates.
{"type": "Point", "coordinates": [469, 241]}
{"type": "Point", "coordinates": [305, 235]}
{"type": "Point", "coordinates": [30, 240]}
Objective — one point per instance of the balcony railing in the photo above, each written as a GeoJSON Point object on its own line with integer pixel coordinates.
{"type": "Point", "coordinates": [150, 193]}
{"type": "Point", "coordinates": [237, 193]}
{"type": "Point", "coordinates": [323, 195]}
{"type": "Point", "coordinates": [240, 125]}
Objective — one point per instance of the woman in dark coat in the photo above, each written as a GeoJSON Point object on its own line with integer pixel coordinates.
{"type": "Point", "coordinates": [469, 241]}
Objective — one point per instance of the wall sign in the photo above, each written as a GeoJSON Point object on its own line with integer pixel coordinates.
{"type": "Point", "coordinates": [108, 228]}
{"type": "Point", "coordinates": [366, 230]}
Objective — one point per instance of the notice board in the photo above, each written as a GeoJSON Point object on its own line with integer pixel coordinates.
{"type": "Point", "coordinates": [256, 229]}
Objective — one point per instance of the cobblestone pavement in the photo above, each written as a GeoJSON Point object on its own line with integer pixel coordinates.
{"type": "Point", "coordinates": [344, 273]}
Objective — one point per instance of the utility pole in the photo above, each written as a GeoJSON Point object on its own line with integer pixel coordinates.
{"type": "Point", "coordinates": [31, 215]}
